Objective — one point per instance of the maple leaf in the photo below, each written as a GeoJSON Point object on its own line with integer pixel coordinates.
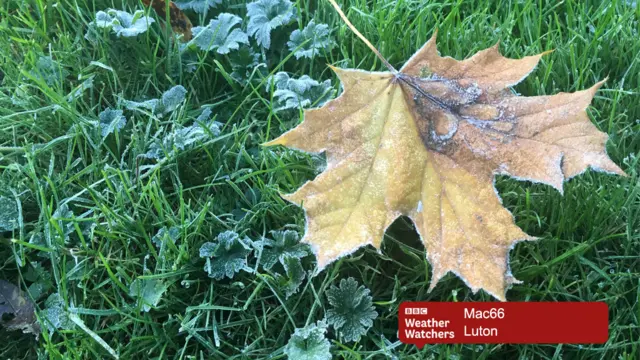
{"type": "Point", "coordinates": [425, 142]}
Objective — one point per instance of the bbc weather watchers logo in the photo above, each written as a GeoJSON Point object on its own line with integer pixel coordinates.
{"type": "Point", "coordinates": [416, 311]}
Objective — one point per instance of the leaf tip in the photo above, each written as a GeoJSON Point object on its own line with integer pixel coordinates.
{"type": "Point", "coordinates": [276, 141]}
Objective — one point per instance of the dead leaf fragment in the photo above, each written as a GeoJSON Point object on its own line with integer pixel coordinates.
{"type": "Point", "coordinates": [17, 312]}
{"type": "Point", "coordinates": [425, 142]}
{"type": "Point", "coordinates": [179, 22]}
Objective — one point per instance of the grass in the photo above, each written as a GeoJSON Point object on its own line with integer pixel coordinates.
{"type": "Point", "coordinates": [590, 237]}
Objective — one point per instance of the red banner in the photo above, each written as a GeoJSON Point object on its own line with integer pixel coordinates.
{"type": "Point", "coordinates": [423, 323]}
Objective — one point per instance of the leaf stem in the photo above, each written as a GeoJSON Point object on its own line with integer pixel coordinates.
{"type": "Point", "coordinates": [364, 39]}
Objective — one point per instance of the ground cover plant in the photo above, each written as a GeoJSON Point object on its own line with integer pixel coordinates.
{"type": "Point", "coordinates": [140, 215]}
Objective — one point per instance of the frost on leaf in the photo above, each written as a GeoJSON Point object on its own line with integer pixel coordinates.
{"type": "Point", "coordinates": [49, 71]}
{"type": "Point", "coordinates": [64, 225]}
{"type": "Point", "coordinates": [122, 23]}
{"type": "Point", "coordinates": [293, 93]}
{"type": "Point", "coordinates": [8, 214]}
{"type": "Point", "coordinates": [425, 142]}
{"type": "Point", "coordinates": [266, 15]}
{"type": "Point", "coordinates": [172, 98]}
{"type": "Point", "coordinates": [199, 6]}
{"type": "Point", "coordinates": [309, 343]}
{"type": "Point", "coordinates": [220, 35]}
{"type": "Point", "coordinates": [294, 275]}
{"type": "Point", "coordinates": [110, 121]}
{"type": "Point", "coordinates": [184, 137]}
{"type": "Point", "coordinates": [310, 41]}
{"type": "Point", "coordinates": [351, 312]}
{"type": "Point", "coordinates": [284, 243]}
{"type": "Point", "coordinates": [244, 62]}
{"type": "Point", "coordinates": [226, 256]}
{"type": "Point", "coordinates": [165, 235]}
{"type": "Point", "coordinates": [17, 312]}
{"type": "Point", "coordinates": [168, 103]}
{"type": "Point", "coordinates": [55, 316]}
{"type": "Point", "coordinates": [147, 292]}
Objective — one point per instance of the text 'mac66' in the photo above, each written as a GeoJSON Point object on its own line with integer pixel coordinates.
{"type": "Point", "coordinates": [423, 323]}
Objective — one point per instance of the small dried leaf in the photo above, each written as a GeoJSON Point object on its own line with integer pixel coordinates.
{"type": "Point", "coordinates": [179, 22]}
{"type": "Point", "coordinates": [17, 312]}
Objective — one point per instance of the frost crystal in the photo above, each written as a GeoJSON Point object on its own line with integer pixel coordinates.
{"type": "Point", "coordinates": [309, 343]}
{"type": "Point", "coordinates": [352, 312]}
{"type": "Point", "coordinates": [311, 40]}
{"type": "Point", "coordinates": [293, 93]}
{"type": "Point", "coordinates": [226, 256]}
{"type": "Point", "coordinates": [266, 15]}
{"type": "Point", "coordinates": [219, 35]}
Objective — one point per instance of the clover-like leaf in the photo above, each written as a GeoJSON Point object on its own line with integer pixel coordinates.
{"type": "Point", "coordinates": [49, 71]}
{"type": "Point", "coordinates": [284, 243]}
{"type": "Point", "coordinates": [266, 15]}
{"type": "Point", "coordinates": [110, 121]}
{"type": "Point", "coordinates": [199, 6]}
{"type": "Point", "coordinates": [295, 275]}
{"type": "Point", "coordinates": [183, 137]}
{"type": "Point", "coordinates": [152, 105]}
{"type": "Point", "coordinates": [172, 98]}
{"type": "Point", "coordinates": [123, 23]}
{"type": "Point", "coordinates": [63, 219]}
{"type": "Point", "coordinates": [168, 103]}
{"type": "Point", "coordinates": [352, 312]}
{"type": "Point", "coordinates": [244, 62]}
{"type": "Point", "coordinates": [220, 35]}
{"type": "Point", "coordinates": [148, 292]}
{"type": "Point", "coordinates": [8, 214]}
{"type": "Point", "coordinates": [17, 312]}
{"type": "Point", "coordinates": [40, 279]}
{"type": "Point", "coordinates": [55, 315]}
{"type": "Point", "coordinates": [293, 93]}
{"type": "Point", "coordinates": [311, 40]}
{"type": "Point", "coordinates": [309, 343]}
{"type": "Point", "coordinates": [165, 235]}
{"type": "Point", "coordinates": [226, 256]}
